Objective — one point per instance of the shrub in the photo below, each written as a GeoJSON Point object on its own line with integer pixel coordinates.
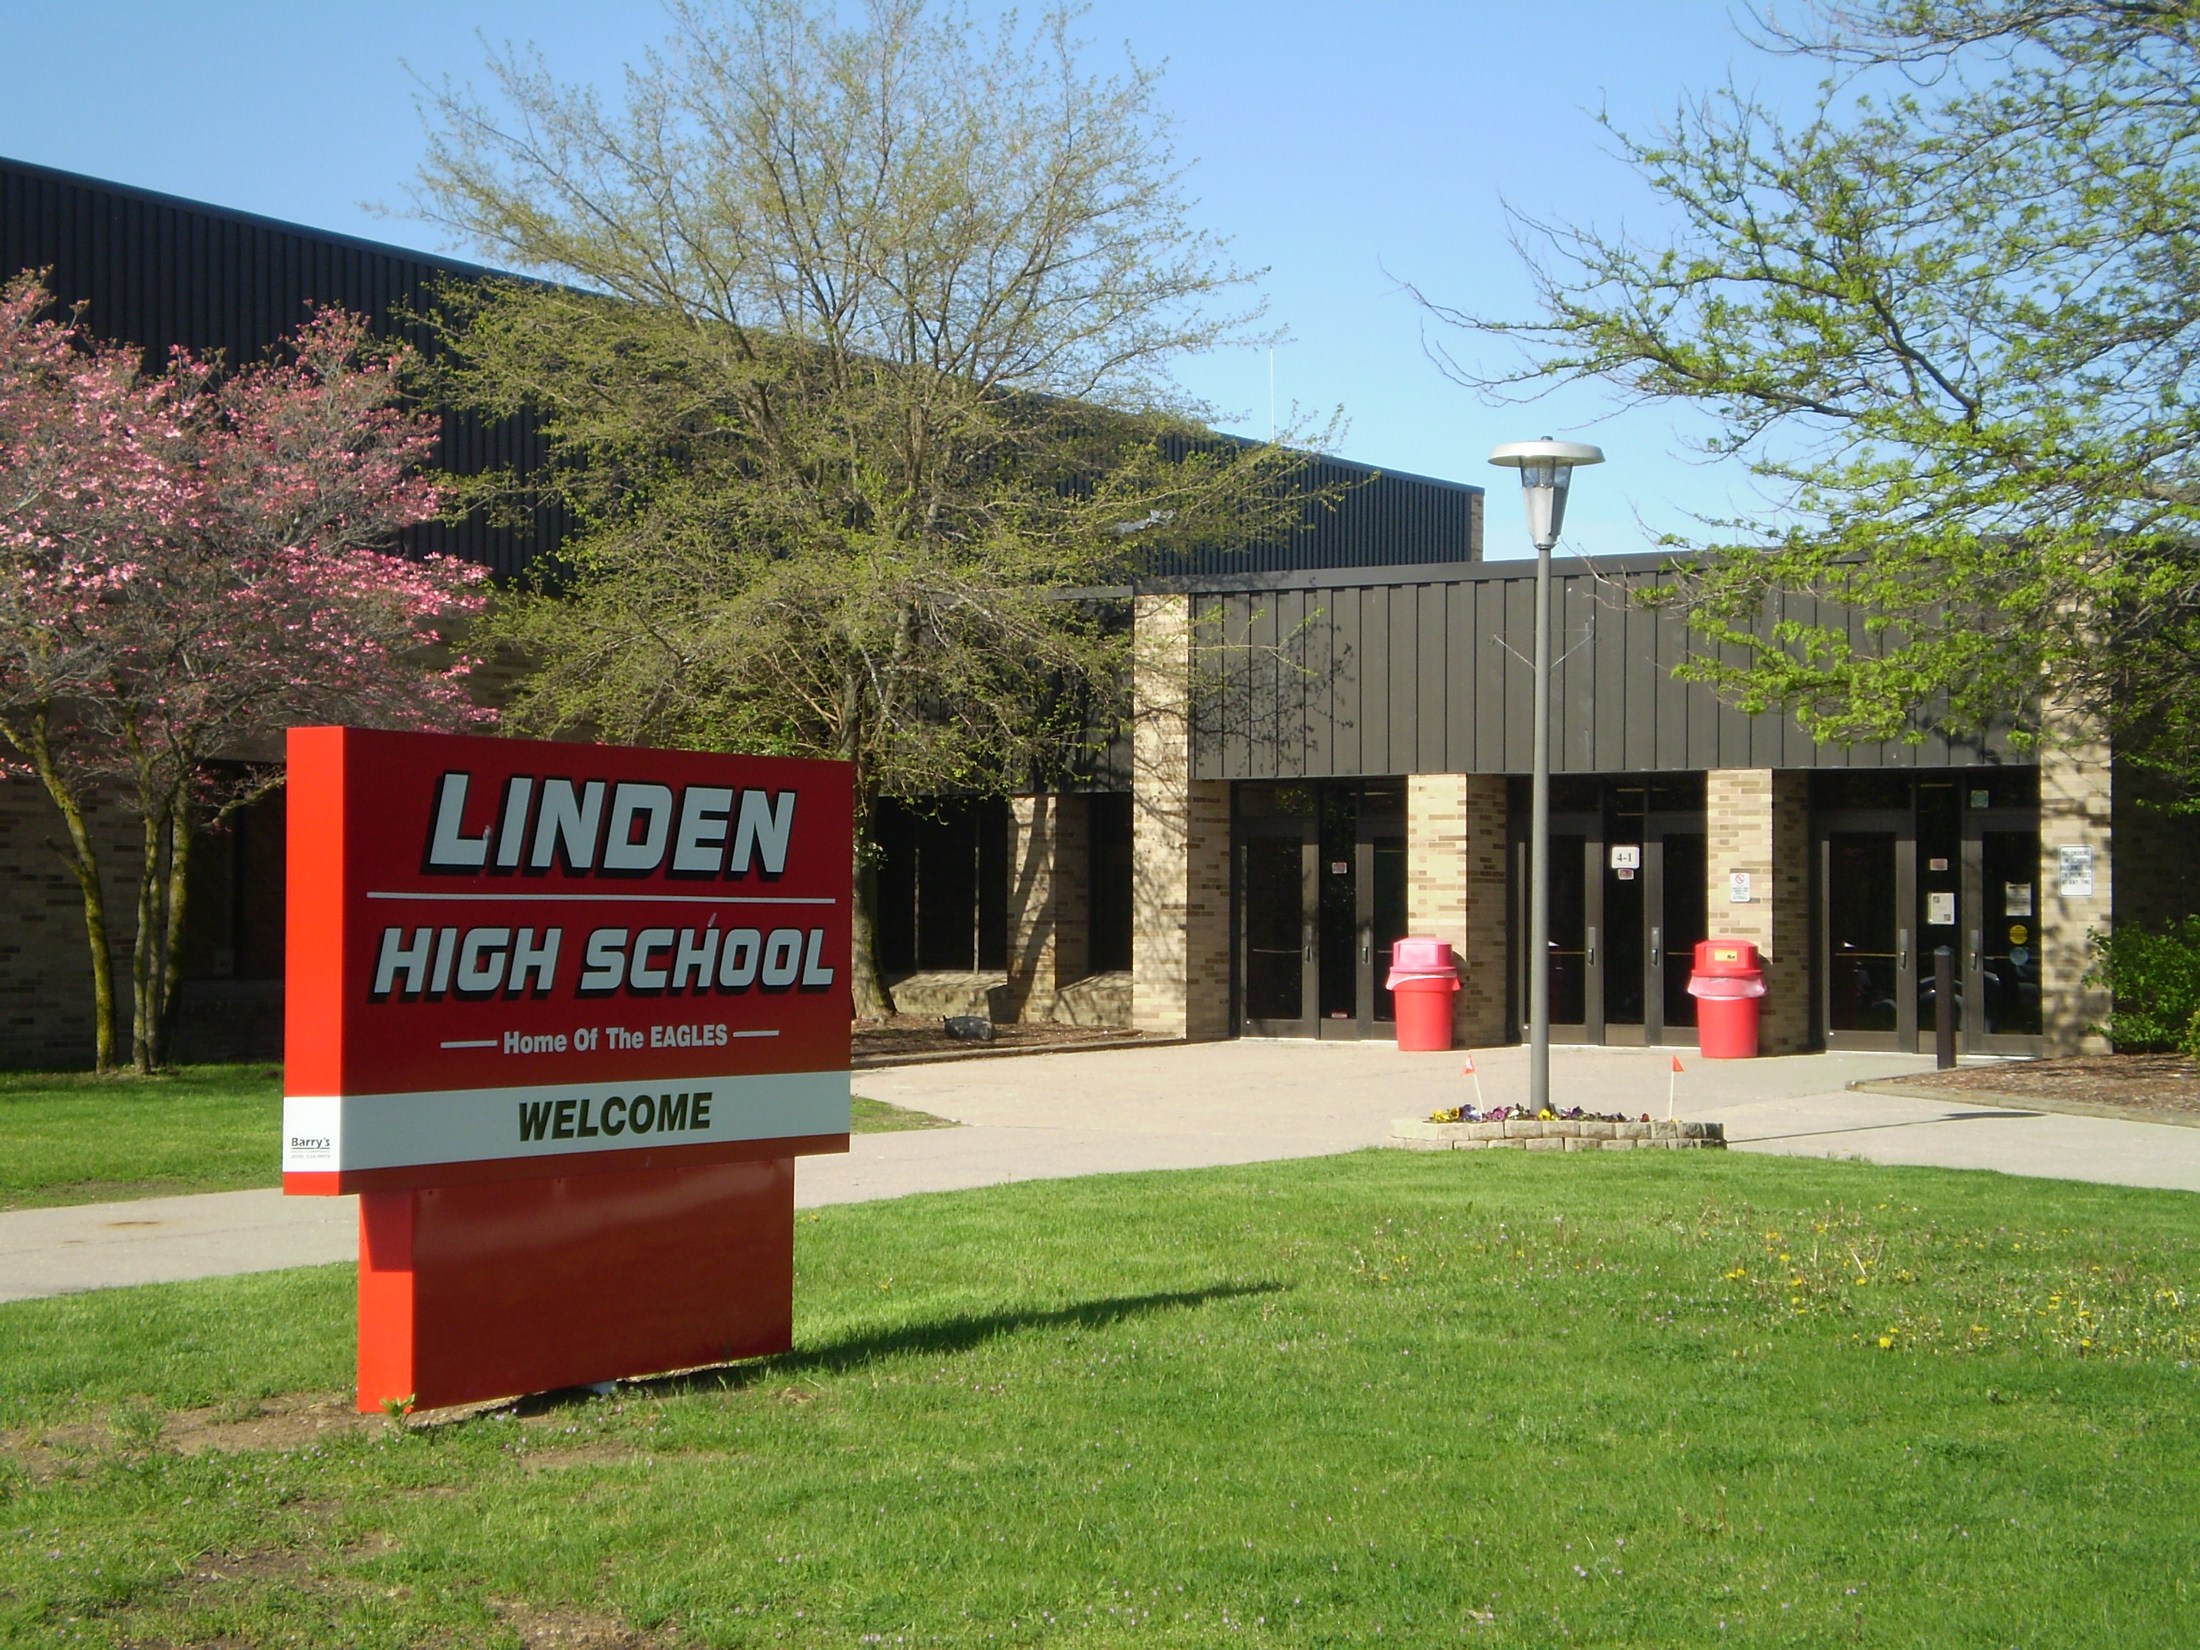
{"type": "Point", "coordinates": [2155, 978]}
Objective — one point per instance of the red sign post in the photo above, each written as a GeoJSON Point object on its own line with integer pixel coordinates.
{"type": "Point", "coordinates": [563, 1016]}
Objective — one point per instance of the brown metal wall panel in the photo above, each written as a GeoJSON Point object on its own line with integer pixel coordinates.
{"type": "Point", "coordinates": [1638, 676]}
{"type": "Point", "coordinates": [1317, 750]}
{"type": "Point", "coordinates": [1432, 646]}
{"type": "Point", "coordinates": [1403, 673]}
{"type": "Point", "coordinates": [1612, 713]}
{"type": "Point", "coordinates": [1482, 618]}
{"type": "Point", "coordinates": [1668, 638]}
{"type": "Point", "coordinates": [1462, 667]}
{"type": "Point", "coordinates": [1291, 608]}
{"type": "Point", "coordinates": [1402, 727]}
{"type": "Point", "coordinates": [1376, 663]}
{"type": "Point", "coordinates": [1346, 665]}
{"type": "Point", "coordinates": [1210, 753]}
{"type": "Point", "coordinates": [1264, 711]}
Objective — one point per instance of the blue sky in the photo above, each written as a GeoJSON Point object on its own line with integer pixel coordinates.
{"type": "Point", "coordinates": [1346, 148]}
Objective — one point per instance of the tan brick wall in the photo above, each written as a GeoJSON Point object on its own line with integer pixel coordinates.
{"type": "Point", "coordinates": [1180, 843]}
{"type": "Point", "coordinates": [1048, 922]}
{"type": "Point", "coordinates": [2076, 808]}
{"type": "Point", "coordinates": [1455, 890]}
{"type": "Point", "coordinates": [1758, 821]}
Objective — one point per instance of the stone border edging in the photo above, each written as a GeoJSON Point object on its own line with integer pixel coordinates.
{"type": "Point", "coordinates": [987, 1051]}
{"type": "Point", "coordinates": [1554, 1135]}
{"type": "Point", "coordinates": [2001, 1100]}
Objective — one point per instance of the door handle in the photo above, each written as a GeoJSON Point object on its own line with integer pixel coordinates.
{"type": "Point", "coordinates": [1902, 948]}
{"type": "Point", "coordinates": [1591, 950]}
{"type": "Point", "coordinates": [1365, 951]}
{"type": "Point", "coordinates": [1976, 948]}
{"type": "Point", "coordinates": [1657, 948]}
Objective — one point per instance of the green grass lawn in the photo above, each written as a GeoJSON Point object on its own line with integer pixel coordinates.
{"type": "Point", "coordinates": [76, 1138]}
{"type": "Point", "coordinates": [877, 1117]}
{"type": "Point", "coordinates": [69, 1138]}
{"type": "Point", "coordinates": [1393, 1398]}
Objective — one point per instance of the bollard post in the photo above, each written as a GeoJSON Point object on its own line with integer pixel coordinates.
{"type": "Point", "coordinates": [1944, 1007]}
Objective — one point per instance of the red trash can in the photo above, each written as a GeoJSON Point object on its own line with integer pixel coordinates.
{"type": "Point", "coordinates": [1728, 983]}
{"type": "Point", "coordinates": [1422, 983]}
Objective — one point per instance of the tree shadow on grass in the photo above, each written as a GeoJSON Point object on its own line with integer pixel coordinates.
{"type": "Point", "coordinates": [931, 1337]}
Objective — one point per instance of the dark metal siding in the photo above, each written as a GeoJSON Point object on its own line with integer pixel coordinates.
{"type": "Point", "coordinates": [158, 272]}
{"type": "Point", "coordinates": [1373, 519]}
{"type": "Point", "coordinates": [1336, 676]}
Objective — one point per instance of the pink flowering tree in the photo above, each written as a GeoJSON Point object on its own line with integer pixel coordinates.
{"type": "Point", "coordinates": [194, 560]}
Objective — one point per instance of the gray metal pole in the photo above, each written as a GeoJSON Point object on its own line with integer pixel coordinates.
{"type": "Point", "coordinates": [1539, 851]}
{"type": "Point", "coordinates": [1944, 1007]}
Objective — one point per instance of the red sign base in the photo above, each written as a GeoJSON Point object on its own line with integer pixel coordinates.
{"type": "Point", "coordinates": [483, 1291]}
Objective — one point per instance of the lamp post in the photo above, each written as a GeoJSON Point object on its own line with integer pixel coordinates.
{"type": "Point", "coordinates": [1545, 468]}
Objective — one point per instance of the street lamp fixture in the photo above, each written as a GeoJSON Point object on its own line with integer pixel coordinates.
{"type": "Point", "coordinates": [1546, 467]}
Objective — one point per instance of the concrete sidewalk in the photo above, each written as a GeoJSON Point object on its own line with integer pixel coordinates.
{"type": "Point", "coordinates": [1046, 1116]}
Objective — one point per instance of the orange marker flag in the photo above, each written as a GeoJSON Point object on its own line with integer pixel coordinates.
{"type": "Point", "coordinates": [1671, 1082]}
{"type": "Point", "coordinates": [1677, 1066]}
{"type": "Point", "coordinates": [1468, 1070]}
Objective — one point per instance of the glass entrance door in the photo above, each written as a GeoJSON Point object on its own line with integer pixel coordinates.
{"type": "Point", "coordinates": [1575, 892]}
{"type": "Point", "coordinates": [1869, 978]}
{"type": "Point", "coordinates": [1362, 876]}
{"type": "Point", "coordinates": [2003, 973]}
{"type": "Point", "coordinates": [1321, 881]}
{"type": "Point", "coordinates": [1679, 895]}
{"type": "Point", "coordinates": [1276, 934]}
{"type": "Point", "coordinates": [1627, 907]}
{"type": "Point", "coordinates": [1910, 863]}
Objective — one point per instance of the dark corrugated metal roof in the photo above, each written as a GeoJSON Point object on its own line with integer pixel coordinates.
{"type": "Point", "coordinates": [159, 271]}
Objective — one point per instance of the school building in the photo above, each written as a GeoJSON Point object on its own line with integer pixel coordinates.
{"type": "Point", "coordinates": [1328, 751]}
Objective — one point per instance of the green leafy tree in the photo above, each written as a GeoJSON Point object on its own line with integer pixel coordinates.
{"type": "Point", "coordinates": [1949, 319]}
{"type": "Point", "coordinates": [858, 369]}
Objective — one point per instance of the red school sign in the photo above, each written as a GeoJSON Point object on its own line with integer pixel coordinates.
{"type": "Point", "coordinates": [562, 1011]}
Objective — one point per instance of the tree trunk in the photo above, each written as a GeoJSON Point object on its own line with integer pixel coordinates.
{"type": "Point", "coordinates": [83, 862]}
{"type": "Point", "coordinates": [867, 994]}
{"type": "Point", "coordinates": [148, 959]}
{"type": "Point", "coordinates": [870, 999]}
{"type": "Point", "coordinates": [182, 834]}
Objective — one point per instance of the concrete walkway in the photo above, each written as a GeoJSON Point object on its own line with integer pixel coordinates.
{"type": "Point", "coordinates": [1045, 1116]}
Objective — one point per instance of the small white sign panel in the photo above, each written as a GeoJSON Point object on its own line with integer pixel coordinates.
{"type": "Point", "coordinates": [2076, 881]}
{"type": "Point", "coordinates": [1940, 910]}
{"type": "Point", "coordinates": [1626, 856]}
{"type": "Point", "coordinates": [2016, 899]}
{"type": "Point", "coordinates": [1737, 888]}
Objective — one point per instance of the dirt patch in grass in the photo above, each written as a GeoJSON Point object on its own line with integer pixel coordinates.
{"type": "Point", "coordinates": [569, 1627]}
{"type": "Point", "coordinates": [293, 1421]}
{"type": "Point", "coordinates": [290, 1422]}
{"type": "Point", "coordinates": [910, 1036]}
{"type": "Point", "coordinates": [2159, 1087]}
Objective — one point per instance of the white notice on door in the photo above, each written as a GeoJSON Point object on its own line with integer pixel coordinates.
{"type": "Point", "coordinates": [1940, 910]}
{"type": "Point", "coordinates": [2016, 899]}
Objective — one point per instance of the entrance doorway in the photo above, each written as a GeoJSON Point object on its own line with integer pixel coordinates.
{"type": "Point", "coordinates": [1908, 863]}
{"type": "Point", "coordinates": [1321, 895]}
{"type": "Point", "coordinates": [1628, 904]}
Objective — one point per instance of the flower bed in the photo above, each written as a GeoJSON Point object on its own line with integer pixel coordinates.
{"type": "Point", "coordinates": [1464, 1129]}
